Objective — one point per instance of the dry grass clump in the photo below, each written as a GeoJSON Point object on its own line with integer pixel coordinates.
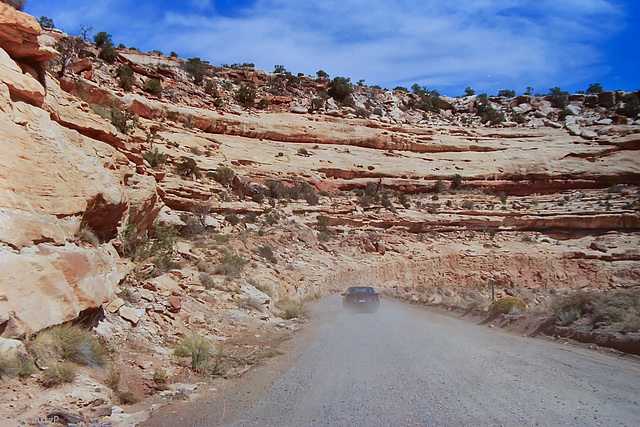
{"type": "Point", "coordinates": [70, 343]}
{"type": "Point", "coordinates": [206, 280]}
{"type": "Point", "coordinates": [291, 309]}
{"type": "Point", "coordinates": [620, 308]}
{"type": "Point", "coordinates": [509, 305]}
{"type": "Point", "coordinates": [19, 364]}
{"type": "Point", "coordinates": [58, 374]}
{"type": "Point", "coordinates": [271, 352]}
{"type": "Point", "coordinates": [160, 378]}
{"type": "Point", "coordinates": [197, 347]}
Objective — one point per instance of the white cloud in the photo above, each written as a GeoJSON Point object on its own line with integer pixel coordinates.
{"type": "Point", "coordinates": [445, 44]}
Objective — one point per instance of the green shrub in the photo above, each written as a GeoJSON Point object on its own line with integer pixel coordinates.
{"type": "Point", "coordinates": [224, 175]}
{"type": "Point", "coordinates": [154, 158]}
{"type": "Point", "coordinates": [487, 113]}
{"type": "Point", "coordinates": [188, 167]}
{"type": "Point", "coordinates": [271, 352]}
{"type": "Point", "coordinates": [123, 121]}
{"type": "Point", "coordinates": [232, 218]}
{"type": "Point", "coordinates": [127, 397]}
{"type": "Point", "coordinates": [108, 53]}
{"type": "Point", "coordinates": [468, 91]}
{"type": "Point", "coordinates": [126, 78]}
{"type": "Point", "coordinates": [246, 95]}
{"type": "Point", "coordinates": [428, 100]}
{"type": "Point", "coordinates": [258, 197]}
{"type": "Point", "coordinates": [231, 265]}
{"type": "Point", "coordinates": [456, 181]}
{"type": "Point", "coordinates": [59, 373]}
{"type": "Point", "coordinates": [322, 223]}
{"type": "Point", "coordinates": [594, 88]}
{"type": "Point", "coordinates": [620, 306]}
{"type": "Point", "coordinates": [361, 112]}
{"type": "Point", "coordinates": [467, 204]}
{"type": "Point", "coordinates": [46, 22]}
{"type": "Point", "coordinates": [321, 74]}
{"type": "Point", "coordinates": [509, 305]}
{"type": "Point", "coordinates": [340, 88]}
{"type": "Point", "coordinates": [196, 68]}
{"type": "Point", "coordinates": [138, 246]}
{"type": "Point", "coordinates": [16, 4]}
{"type": "Point", "coordinates": [102, 38]}
{"type": "Point", "coordinates": [507, 93]}
{"type": "Point", "coordinates": [153, 86]}
{"type": "Point", "coordinates": [7, 366]}
{"type": "Point", "coordinates": [559, 98]}
{"type": "Point", "coordinates": [568, 316]}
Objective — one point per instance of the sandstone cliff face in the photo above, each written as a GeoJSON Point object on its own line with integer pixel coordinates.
{"type": "Point", "coordinates": [58, 174]}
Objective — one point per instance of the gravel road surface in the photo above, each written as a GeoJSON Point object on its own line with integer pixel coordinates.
{"type": "Point", "coordinates": [408, 366]}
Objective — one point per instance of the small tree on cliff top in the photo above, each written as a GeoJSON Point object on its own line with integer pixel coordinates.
{"type": "Point", "coordinates": [17, 4]}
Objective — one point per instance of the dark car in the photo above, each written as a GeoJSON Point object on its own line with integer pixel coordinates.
{"type": "Point", "coordinates": [361, 298]}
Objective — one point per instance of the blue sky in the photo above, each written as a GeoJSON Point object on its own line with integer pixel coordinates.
{"type": "Point", "coordinates": [442, 44]}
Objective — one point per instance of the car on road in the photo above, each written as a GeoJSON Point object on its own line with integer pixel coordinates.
{"type": "Point", "coordinates": [361, 298]}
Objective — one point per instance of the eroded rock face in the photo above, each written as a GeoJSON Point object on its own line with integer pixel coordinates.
{"type": "Point", "coordinates": [20, 35]}
{"type": "Point", "coordinates": [20, 86]}
{"type": "Point", "coordinates": [60, 171]}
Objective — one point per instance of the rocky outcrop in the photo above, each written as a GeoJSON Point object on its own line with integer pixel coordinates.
{"type": "Point", "coordinates": [22, 37]}
{"type": "Point", "coordinates": [60, 177]}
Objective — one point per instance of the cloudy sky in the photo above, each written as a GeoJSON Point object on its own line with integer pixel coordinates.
{"type": "Point", "coordinates": [442, 44]}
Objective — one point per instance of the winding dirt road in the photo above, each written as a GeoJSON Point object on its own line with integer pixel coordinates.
{"type": "Point", "coordinates": [408, 366]}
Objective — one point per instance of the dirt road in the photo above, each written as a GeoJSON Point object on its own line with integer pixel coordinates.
{"type": "Point", "coordinates": [407, 366]}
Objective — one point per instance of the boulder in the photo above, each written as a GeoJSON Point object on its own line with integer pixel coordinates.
{"type": "Point", "coordinates": [129, 314]}
{"type": "Point", "coordinates": [61, 281]}
{"type": "Point", "coordinates": [114, 305]}
{"type": "Point", "coordinates": [308, 236]}
{"type": "Point", "coordinates": [465, 104]}
{"type": "Point", "coordinates": [84, 64]}
{"type": "Point", "coordinates": [298, 109]}
{"type": "Point", "coordinates": [607, 99]}
{"type": "Point", "coordinates": [166, 283]}
{"type": "Point", "coordinates": [574, 129]}
{"type": "Point", "coordinates": [368, 246]}
{"type": "Point", "coordinates": [522, 108]}
{"type": "Point", "coordinates": [536, 123]}
{"type": "Point", "coordinates": [591, 100]}
{"type": "Point", "coordinates": [524, 99]}
{"type": "Point", "coordinates": [551, 124]}
{"type": "Point", "coordinates": [447, 103]}
{"type": "Point", "coordinates": [11, 349]}
{"type": "Point", "coordinates": [588, 134]}
{"type": "Point", "coordinates": [573, 109]}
